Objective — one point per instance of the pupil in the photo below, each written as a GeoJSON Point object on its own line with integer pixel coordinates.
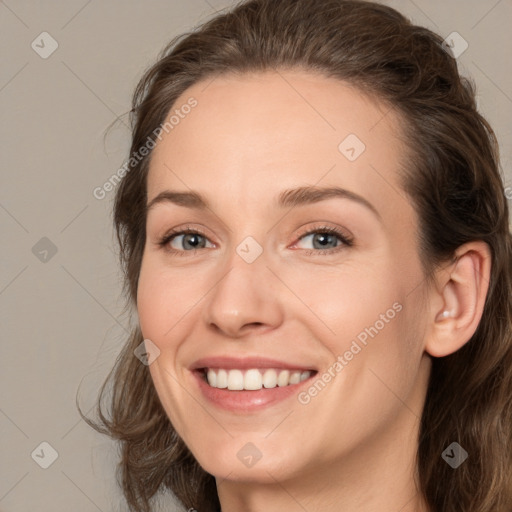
{"type": "Point", "coordinates": [187, 239]}
{"type": "Point", "coordinates": [322, 238]}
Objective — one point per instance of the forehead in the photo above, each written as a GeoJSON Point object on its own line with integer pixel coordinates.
{"type": "Point", "coordinates": [250, 136]}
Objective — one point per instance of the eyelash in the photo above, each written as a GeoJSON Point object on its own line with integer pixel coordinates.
{"type": "Point", "coordinates": [346, 241]}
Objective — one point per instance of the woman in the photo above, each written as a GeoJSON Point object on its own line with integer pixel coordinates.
{"type": "Point", "coordinates": [315, 235]}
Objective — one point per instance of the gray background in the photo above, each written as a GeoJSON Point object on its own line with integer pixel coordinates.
{"type": "Point", "coordinates": [61, 319]}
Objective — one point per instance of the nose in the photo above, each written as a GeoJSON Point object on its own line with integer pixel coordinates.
{"type": "Point", "coordinates": [245, 298]}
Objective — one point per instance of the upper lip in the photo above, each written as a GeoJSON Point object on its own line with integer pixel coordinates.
{"type": "Point", "coordinates": [228, 363]}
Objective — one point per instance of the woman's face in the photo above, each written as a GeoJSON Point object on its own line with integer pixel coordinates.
{"type": "Point", "coordinates": [304, 283]}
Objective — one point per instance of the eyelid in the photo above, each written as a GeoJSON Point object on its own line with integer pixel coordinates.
{"type": "Point", "coordinates": [180, 230]}
{"type": "Point", "coordinates": [324, 228]}
{"type": "Point", "coordinates": [164, 240]}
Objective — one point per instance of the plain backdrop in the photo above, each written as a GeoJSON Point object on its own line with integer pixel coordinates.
{"type": "Point", "coordinates": [60, 306]}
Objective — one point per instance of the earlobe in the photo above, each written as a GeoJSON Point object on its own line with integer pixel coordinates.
{"type": "Point", "coordinates": [461, 292]}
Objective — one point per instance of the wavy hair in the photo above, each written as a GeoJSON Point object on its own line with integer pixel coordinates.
{"type": "Point", "coordinates": [453, 181]}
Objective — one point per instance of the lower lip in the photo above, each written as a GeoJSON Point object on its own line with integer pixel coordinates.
{"type": "Point", "coordinates": [247, 401]}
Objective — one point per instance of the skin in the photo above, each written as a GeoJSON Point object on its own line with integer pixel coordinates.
{"type": "Point", "coordinates": [249, 138]}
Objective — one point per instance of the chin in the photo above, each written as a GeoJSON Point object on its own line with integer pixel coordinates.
{"type": "Point", "coordinates": [248, 461]}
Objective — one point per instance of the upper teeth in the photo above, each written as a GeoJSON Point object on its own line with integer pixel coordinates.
{"type": "Point", "coordinates": [253, 379]}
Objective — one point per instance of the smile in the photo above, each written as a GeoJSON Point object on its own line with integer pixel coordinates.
{"type": "Point", "coordinates": [245, 385]}
{"type": "Point", "coordinates": [253, 379]}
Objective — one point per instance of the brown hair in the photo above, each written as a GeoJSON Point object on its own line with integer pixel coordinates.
{"type": "Point", "coordinates": [452, 179]}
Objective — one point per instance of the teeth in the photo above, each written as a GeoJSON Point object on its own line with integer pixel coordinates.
{"type": "Point", "coordinates": [270, 379]}
{"type": "Point", "coordinates": [254, 379]}
{"type": "Point", "coordinates": [283, 378]}
{"type": "Point", "coordinates": [295, 378]}
{"type": "Point", "coordinates": [235, 380]}
{"type": "Point", "coordinates": [211, 376]}
{"type": "Point", "coordinates": [222, 379]}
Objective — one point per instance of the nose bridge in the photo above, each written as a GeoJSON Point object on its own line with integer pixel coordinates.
{"type": "Point", "coordinates": [245, 293]}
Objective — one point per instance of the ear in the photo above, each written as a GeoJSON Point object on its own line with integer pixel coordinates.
{"type": "Point", "coordinates": [457, 299]}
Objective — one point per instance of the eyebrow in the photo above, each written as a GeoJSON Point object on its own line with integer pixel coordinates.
{"type": "Point", "coordinates": [287, 198]}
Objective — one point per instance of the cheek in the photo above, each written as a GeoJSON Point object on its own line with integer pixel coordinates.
{"type": "Point", "coordinates": [345, 304]}
{"type": "Point", "coordinates": [162, 298]}
{"type": "Point", "coordinates": [163, 301]}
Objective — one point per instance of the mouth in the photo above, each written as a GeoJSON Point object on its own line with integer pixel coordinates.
{"type": "Point", "coordinates": [253, 379]}
{"type": "Point", "coordinates": [246, 385]}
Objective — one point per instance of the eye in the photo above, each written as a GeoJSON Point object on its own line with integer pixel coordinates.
{"type": "Point", "coordinates": [185, 240]}
{"type": "Point", "coordinates": [325, 240]}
